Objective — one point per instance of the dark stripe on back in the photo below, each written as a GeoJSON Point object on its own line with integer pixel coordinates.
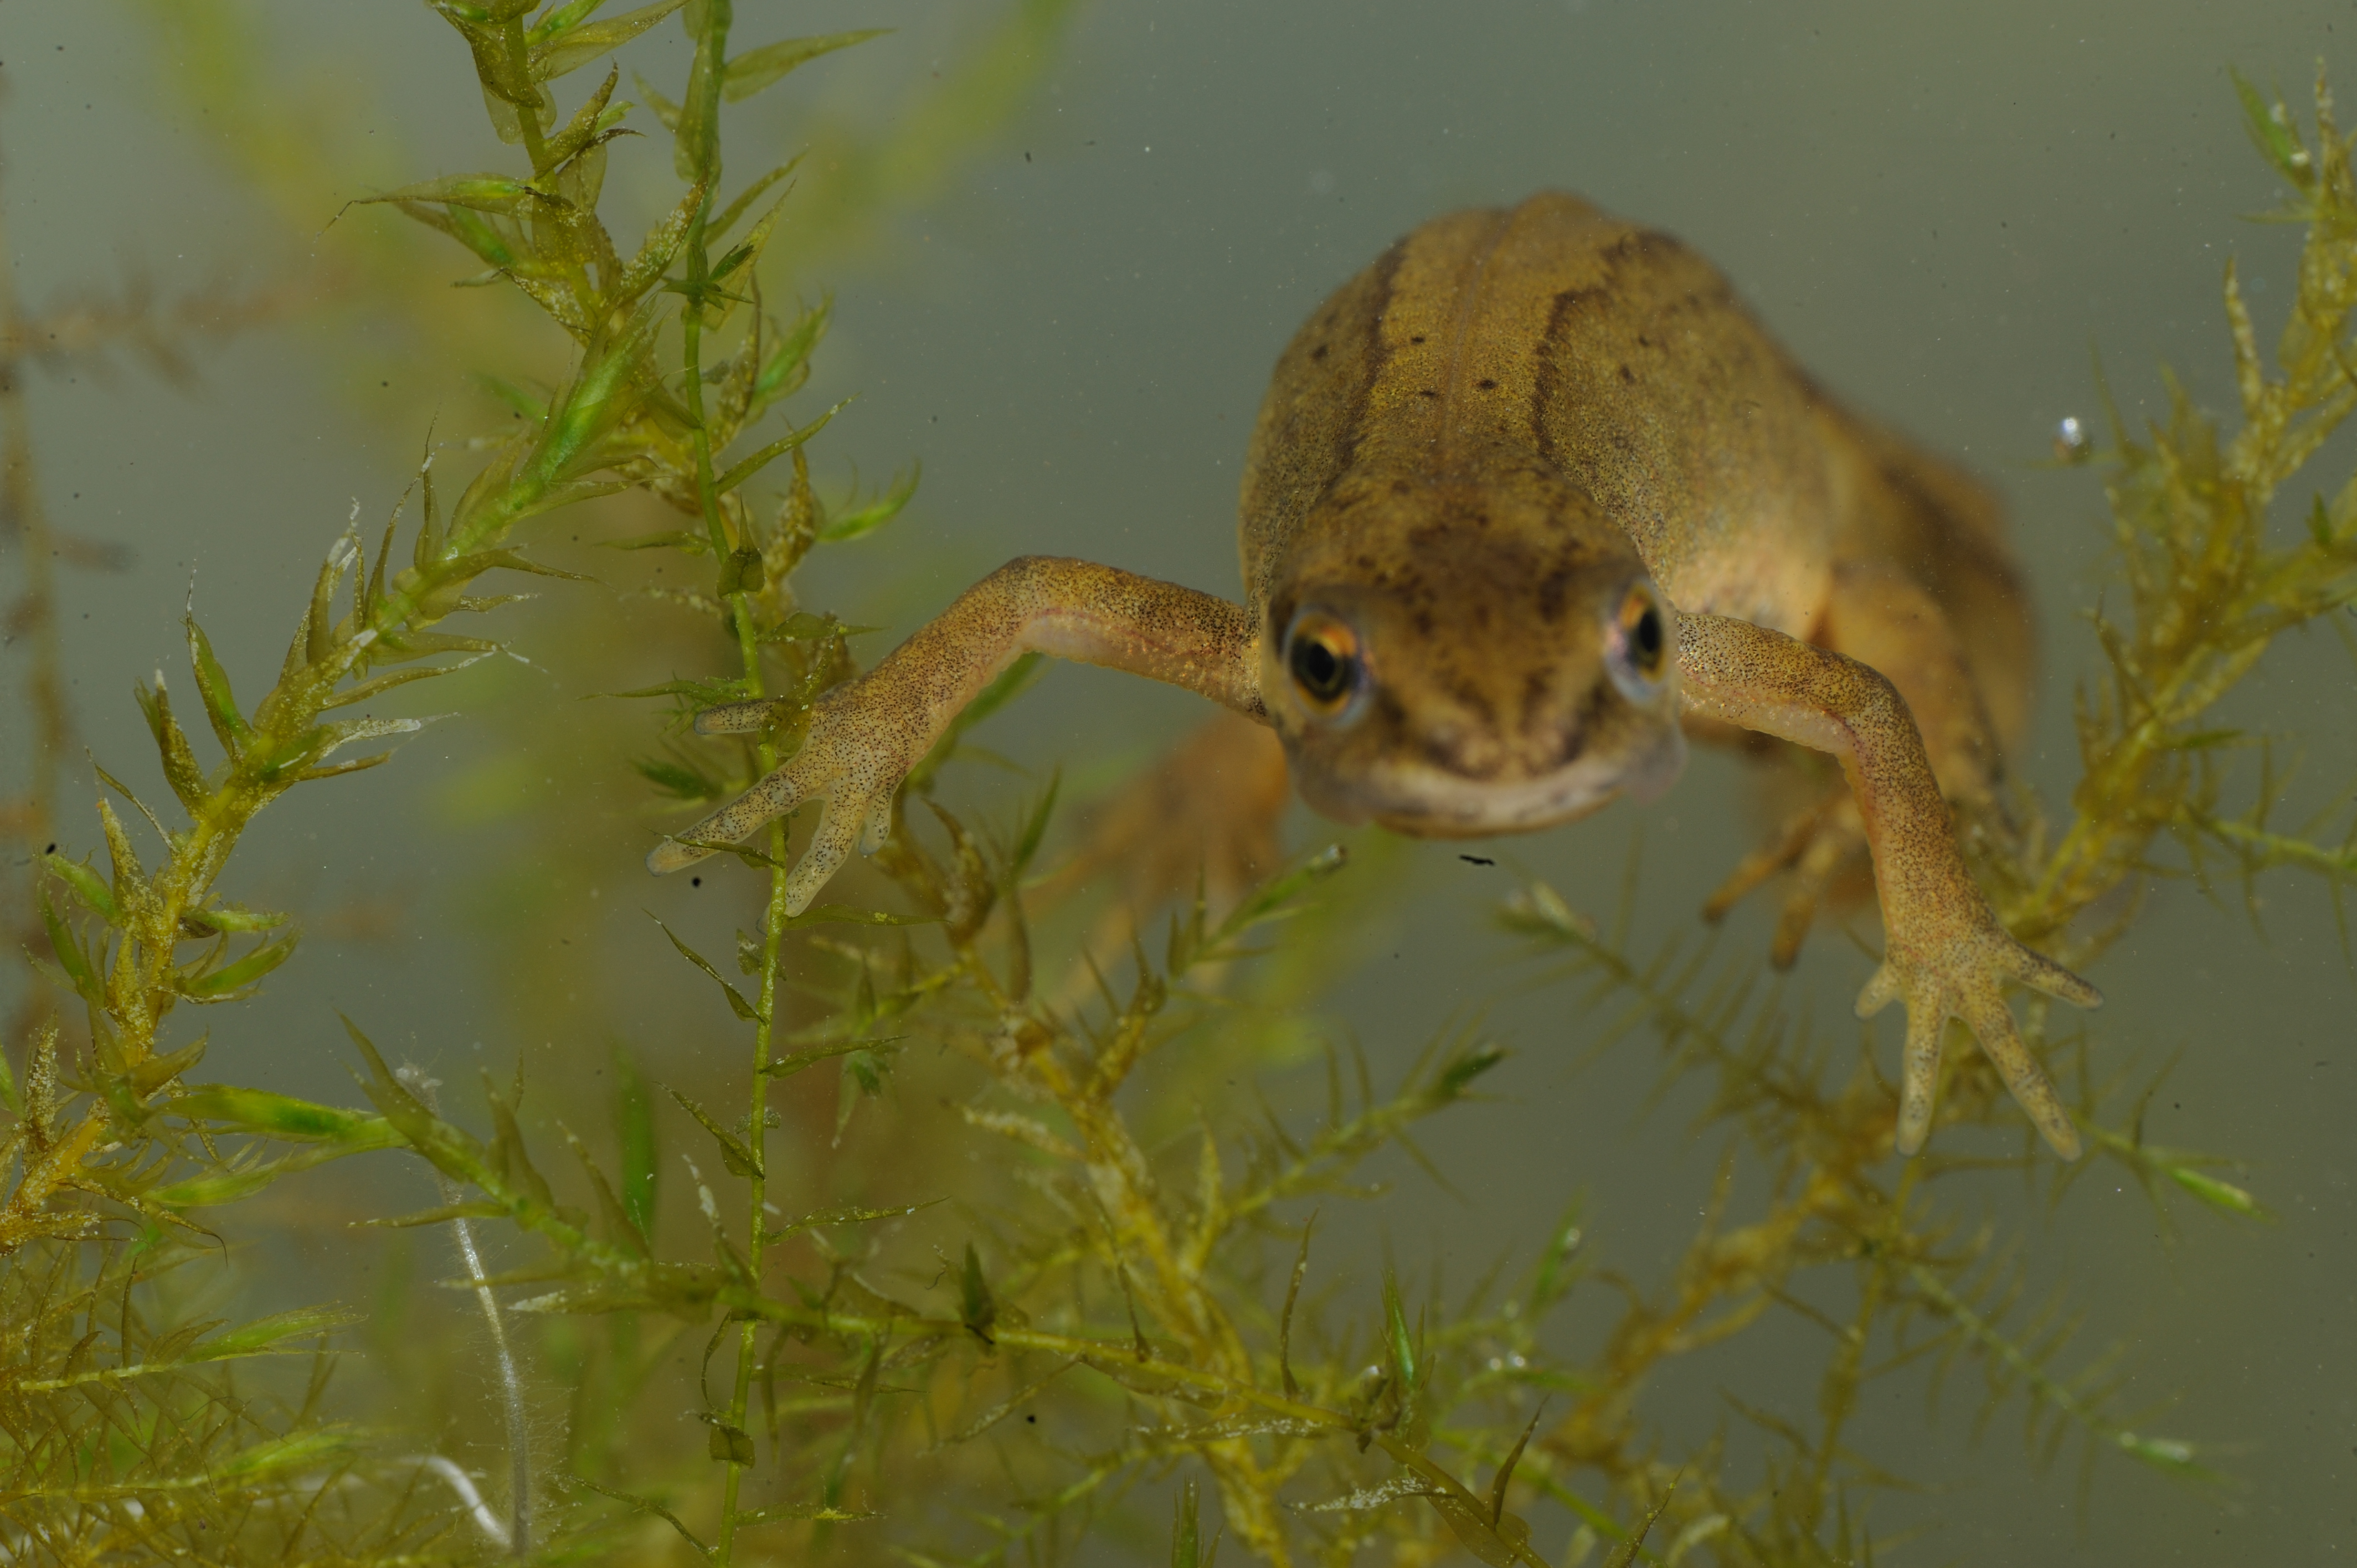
{"type": "Point", "coordinates": [1376, 360]}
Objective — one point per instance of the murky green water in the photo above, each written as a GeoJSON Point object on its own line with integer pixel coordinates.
{"type": "Point", "coordinates": [1940, 212]}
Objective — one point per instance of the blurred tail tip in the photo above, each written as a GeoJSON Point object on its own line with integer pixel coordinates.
{"type": "Point", "coordinates": [667, 857]}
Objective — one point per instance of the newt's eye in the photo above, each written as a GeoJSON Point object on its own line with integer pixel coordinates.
{"type": "Point", "coordinates": [1321, 654]}
{"type": "Point", "coordinates": [1639, 651]}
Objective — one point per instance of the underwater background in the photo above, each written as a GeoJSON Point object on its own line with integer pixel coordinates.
{"type": "Point", "coordinates": [1062, 293]}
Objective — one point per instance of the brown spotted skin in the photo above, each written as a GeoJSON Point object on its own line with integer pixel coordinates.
{"type": "Point", "coordinates": [1479, 464]}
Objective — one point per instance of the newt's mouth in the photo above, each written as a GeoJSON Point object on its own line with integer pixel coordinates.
{"type": "Point", "coordinates": [1422, 800]}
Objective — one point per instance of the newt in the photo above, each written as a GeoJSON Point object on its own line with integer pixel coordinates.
{"type": "Point", "coordinates": [1531, 498]}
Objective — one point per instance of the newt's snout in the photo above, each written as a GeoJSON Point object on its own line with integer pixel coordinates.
{"type": "Point", "coordinates": [1460, 724]}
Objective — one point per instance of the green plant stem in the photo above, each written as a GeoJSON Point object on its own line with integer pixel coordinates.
{"type": "Point", "coordinates": [713, 48]}
{"type": "Point", "coordinates": [519, 61]}
{"type": "Point", "coordinates": [2164, 1453]}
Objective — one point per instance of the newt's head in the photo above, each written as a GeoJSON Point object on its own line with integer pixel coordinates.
{"type": "Point", "coordinates": [1469, 665]}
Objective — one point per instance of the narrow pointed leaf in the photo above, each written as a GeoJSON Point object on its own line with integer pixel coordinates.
{"type": "Point", "coordinates": [221, 703]}
{"type": "Point", "coordinates": [740, 472]}
{"type": "Point", "coordinates": [758, 68]}
{"type": "Point", "coordinates": [88, 885]}
{"type": "Point", "coordinates": [849, 525]}
{"type": "Point", "coordinates": [571, 48]}
{"type": "Point", "coordinates": [180, 762]}
{"type": "Point", "coordinates": [736, 1002]}
{"type": "Point", "coordinates": [476, 192]}
{"type": "Point", "coordinates": [264, 1333]}
{"type": "Point", "coordinates": [740, 1160]}
{"type": "Point", "coordinates": [219, 983]}
{"type": "Point", "coordinates": [479, 1209]}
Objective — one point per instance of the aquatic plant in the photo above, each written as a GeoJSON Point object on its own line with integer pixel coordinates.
{"type": "Point", "coordinates": [972, 1320]}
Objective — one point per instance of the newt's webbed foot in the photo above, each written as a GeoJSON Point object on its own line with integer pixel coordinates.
{"type": "Point", "coordinates": [855, 754]}
{"type": "Point", "coordinates": [1823, 847]}
{"type": "Point", "coordinates": [1963, 975]}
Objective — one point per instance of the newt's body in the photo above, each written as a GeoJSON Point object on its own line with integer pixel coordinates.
{"type": "Point", "coordinates": [1527, 497]}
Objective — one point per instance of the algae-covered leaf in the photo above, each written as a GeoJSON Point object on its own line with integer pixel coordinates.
{"type": "Point", "coordinates": [787, 1065]}
{"type": "Point", "coordinates": [748, 250]}
{"type": "Point", "coordinates": [1401, 1348]}
{"type": "Point", "coordinates": [475, 192]}
{"type": "Point", "coordinates": [736, 1002]}
{"type": "Point", "coordinates": [565, 49]}
{"type": "Point", "coordinates": [1186, 1530]}
{"type": "Point", "coordinates": [727, 1445]}
{"type": "Point", "coordinates": [758, 68]}
{"type": "Point", "coordinates": [1626, 1552]}
{"type": "Point", "coordinates": [314, 1447]}
{"type": "Point", "coordinates": [281, 1116]}
{"type": "Point", "coordinates": [843, 915]}
{"type": "Point", "coordinates": [847, 1214]}
{"type": "Point", "coordinates": [147, 1077]}
{"type": "Point", "coordinates": [441, 1215]}
{"type": "Point", "coordinates": [646, 1506]}
{"type": "Point", "coordinates": [700, 693]}
{"type": "Point", "coordinates": [181, 770]}
{"type": "Point", "coordinates": [1500, 1543]}
{"type": "Point", "coordinates": [332, 738]}
{"type": "Point", "coordinates": [222, 984]}
{"type": "Point", "coordinates": [219, 917]}
{"type": "Point", "coordinates": [741, 573]}
{"type": "Point", "coordinates": [741, 471]}
{"type": "Point", "coordinates": [677, 779]}
{"type": "Point", "coordinates": [2271, 130]}
{"type": "Point", "coordinates": [619, 1228]}
{"type": "Point", "coordinates": [977, 1308]}
{"type": "Point", "coordinates": [557, 19]}
{"type": "Point", "coordinates": [87, 886]}
{"type": "Point", "coordinates": [266, 1334]}
{"type": "Point", "coordinates": [509, 1156]}
{"type": "Point", "coordinates": [740, 1159]}
{"type": "Point", "coordinates": [824, 1513]}
{"type": "Point", "coordinates": [596, 1296]}
{"type": "Point", "coordinates": [80, 975]}
{"type": "Point", "coordinates": [693, 542]}
{"type": "Point", "coordinates": [221, 703]}
{"type": "Point", "coordinates": [221, 1187]}
{"type": "Point", "coordinates": [592, 125]}
{"type": "Point", "coordinates": [1405, 1485]}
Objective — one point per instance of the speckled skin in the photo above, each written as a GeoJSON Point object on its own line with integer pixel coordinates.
{"type": "Point", "coordinates": [1480, 457]}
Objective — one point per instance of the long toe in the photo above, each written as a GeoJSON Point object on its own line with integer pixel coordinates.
{"type": "Point", "coordinates": [1992, 1024]}
{"type": "Point", "coordinates": [837, 834]}
{"type": "Point", "coordinates": [1919, 1074]}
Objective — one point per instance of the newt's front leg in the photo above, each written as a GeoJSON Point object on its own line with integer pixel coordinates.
{"type": "Point", "coordinates": [1945, 953]}
{"type": "Point", "coordinates": [866, 735]}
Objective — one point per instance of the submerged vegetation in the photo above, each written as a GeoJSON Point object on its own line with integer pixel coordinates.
{"type": "Point", "coordinates": [952, 1276]}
